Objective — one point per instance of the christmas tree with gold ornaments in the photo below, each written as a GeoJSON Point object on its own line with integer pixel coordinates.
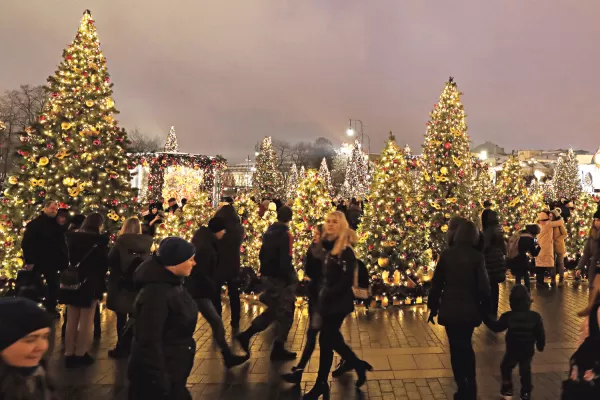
{"type": "Point", "coordinates": [310, 207]}
{"type": "Point", "coordinates": [196, 213]}
{"type": "Point", "coordinates": [171, 225]}
{"type": "Point", "coordinates": [394, 243]}
{"type": "Point", "coordinates": [325, 175]}
{"type": "Point", "coordinates": [566, 182]}
{"type": "Point", "coordinates": [267, 178]}
{"type": "Point", "coordinates": [579, 223]}
{"type": "Point", "coordinates": [482, 188]}
{"type": "Point", "coordinates": [516, 208]}
{"type": "Point", "coordinates": [446, 173]}
{"type": "Point", "coordinates": [75, 153]}
{"type": "Point", "coordinates": [247, 210]}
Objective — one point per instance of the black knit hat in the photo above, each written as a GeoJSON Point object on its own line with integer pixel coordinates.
{"type": "Point", "coordinates": [175, 250]}
{"type": "Point", "coordinates": [284, 214]}
{"type": "Point", "coordinates": [18, 318]}
{"type": "Point", "coordinates": [216, 224]}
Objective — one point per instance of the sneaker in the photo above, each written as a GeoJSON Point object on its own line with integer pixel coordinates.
{"type": "Point", "coordinates": [525, 396]}
{"type": "Point", "coordinates": [85, 360]}
{"type": "Point", "coordinates": [341, 369]}
{"type": "Point", "coordinates": [506, 392]}
{"type": "Point", "coordinates": [244, 341]}
{"type": "Point", "coordinates": [234, 360]}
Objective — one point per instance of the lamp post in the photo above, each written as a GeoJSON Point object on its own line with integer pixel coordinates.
{"type": "Point", "coordinates": [352, 130]}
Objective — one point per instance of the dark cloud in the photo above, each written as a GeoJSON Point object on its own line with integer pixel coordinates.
{"type": "Point", "coordinates": [227, 73]}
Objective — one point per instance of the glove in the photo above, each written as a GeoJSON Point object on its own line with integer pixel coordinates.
{"type": "Point", "coordinates": [431, 318]}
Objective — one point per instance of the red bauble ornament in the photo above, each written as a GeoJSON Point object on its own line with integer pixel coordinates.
{"type": "Point", "coordinates": [397, 199]}
{"type": "Point", "coordinates": [69, 57]}
{"type": "Point", "coordinates": [97, 142]}
{"type": "Point", "coordinates": [447, 145]}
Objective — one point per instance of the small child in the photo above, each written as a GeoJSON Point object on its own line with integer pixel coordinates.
{"type": "Point", "coordinates": [525, 332]}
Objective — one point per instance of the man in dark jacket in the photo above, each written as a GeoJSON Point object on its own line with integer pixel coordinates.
{"type": "Point", "coordinates": [165, 317]}
{"type": "Point", "coordinates": [494, 250]}
{"type": "Point", "coordinates": [527, 247]}
{"type": "Point", "coordinates": [279, 280]}
{"type": "Point", "coordinates": [354, 214]}
{"type": "Point", "coordinates": [202, 288]}
{"type": "Point", "coordinates": [525, 332]}
{"type": "Point", "coordinates": [173, 206]}
{"type": "Point", "coordinates": [228, 263]}
{"type": "Point", "coordinates": [45, 252]}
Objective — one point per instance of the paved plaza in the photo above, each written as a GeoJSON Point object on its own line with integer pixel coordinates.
{"type": "Point", "coordinates": [410, 357]}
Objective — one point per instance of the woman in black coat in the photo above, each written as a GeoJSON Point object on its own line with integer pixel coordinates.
{"type": "Point", "coordinates": [165, 317]}
{"type": "Point", "coordinates": [527, 247]}
{"type": "Point", "coordinates": [336, 301]}
{"type": "Point", "coordinates": [228, 264]}
{"type": "Point", "coordinates": [130, 250]}
{"type": "Point", "coordinates": [494, 250]}
{"type": "Point", "coordinates": [88, 250]}
{"type": "Point", "coordinates": [153, 219]}
{"type": "Point", "coordinates": [460, 295]}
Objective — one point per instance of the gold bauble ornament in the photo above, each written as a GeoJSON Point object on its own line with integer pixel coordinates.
{"type": "Point", "coordinates": [110, 103]}
{"type": "Point", "coordinates": [444, 228]}
{"type": "Point", "coordinates": [444, 171]}
{"type": "Point", "coordinates": [13, 180]}
{"type": "Point", "coordinates": [89, 103]}
{"type": "Point", "coordinates": [69, 181]}
{"type": "Point", "coordinates": [383, 262]}
{"type": "Point", "coordinates": [43, 161]}
{"type": "Point", "coordinates": [66, 126]}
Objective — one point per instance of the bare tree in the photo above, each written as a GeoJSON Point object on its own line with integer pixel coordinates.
{"type": "Point", "coordinates": [18, 110]}
{"type": "Point", "coordinates": [141, 143]}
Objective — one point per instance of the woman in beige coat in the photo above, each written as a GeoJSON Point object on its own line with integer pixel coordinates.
{"type": "Point", "coordinates": [560, 234]}
{"type": "Point", "coordinates": [545, 259]}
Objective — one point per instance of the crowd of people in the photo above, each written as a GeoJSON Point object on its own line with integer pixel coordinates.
{"type": "Point", "coordinates": [157, 295]}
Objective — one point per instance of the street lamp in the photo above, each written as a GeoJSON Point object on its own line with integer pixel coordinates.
{"type": "Point", "coordinates": [352, 130]}
{"type": "Point", "coordinates": [483, 155]}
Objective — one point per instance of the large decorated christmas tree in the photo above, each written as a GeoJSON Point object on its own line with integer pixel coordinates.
{"type": "Point", "coordinates": [326, 176]}
{"type": "Point", "coordinates": [310, 207]}
{"type": "Point", "coordinates": [292, 183]}
{"type": "Point", "coordinates": [579, 224]}
{"type": "Point", "coordinates": [394, 241]}
{"type": "Point", "coordinates": [267, 178]}
{"type": "Point", "coordinates": [482, 188]}
{"type": "Point", "coordinates": [247, 210]}
{"type": "Point", "coordinates": [75, 154]}
{"type": "Point", "coordinates": [357, 173]}
{"type": "Point", "coordinates": [566, 182]}
{"type": "Point", "coordinates": [446, 177]}
{"type": "Point", "coordinates": [196, 213]}
{"type": "Point", "coordinates": [171, 145]}
{"type": "Point", "coordinates": [511, 197]}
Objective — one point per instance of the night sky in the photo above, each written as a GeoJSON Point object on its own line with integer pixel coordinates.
{"type": "Point", "coordinates": [227, 73]}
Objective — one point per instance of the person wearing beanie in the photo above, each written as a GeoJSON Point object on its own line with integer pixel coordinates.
{"type": "Point", "coordinates": [591, 252]}
{"type": "Point", "coordinates": [165, 316]}
{"type": "Point", "coordinates": [559, 235]}
{"type": "Point", "coordinates": [279, 280]}
{"type": "Point", "coordinates": [545, 258]}
{"type": "Point", "coordinates": [525, 333]}
{"type": "Point", "coordinates": [24, 334]}
{"type": "Point", "coordinates": [203, 289]}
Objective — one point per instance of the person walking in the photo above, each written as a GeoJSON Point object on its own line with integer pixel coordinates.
{"type": "Point", "coordinates": [313, 266]}
{"type": "Point", "coordinates": [494, 251]}
{"type": "Point", "coordinates": [279, 280]}
{"type": "Point", "coordinates": [130, 250]}
{"type": "Point", "coordinates": [460, 295]}
{"type": "Point", "coordinates": [526, 247]}
{"type": "Point", "coordinates": [228, 264]}
{"type": "Point", "coordinates": [45, 252]}
{"type": "Point", "coordinates": [165, 316]}
{"type": "Point", "coordinates": [336, 301]}
{"type": "Point", "coordinates": [88, 253]}
{"type": "Point", "coordinates": [545, 258]}
{"type": "Point", "coordinates": [525, 333]}
{"type": "Point", "coordinates": [559, 235]}
{"type": "Point", "coordinates": [24, 340]}
{"type": "Point", "coordinates": [354, 214]}
{"type": "Point", "coordinates": [202, 288]}
{"type": "Point", "coordinates": [590, 256]}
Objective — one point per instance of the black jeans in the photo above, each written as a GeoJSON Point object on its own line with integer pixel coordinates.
{"type": "Point", "coordinates": [521, 356]}
{"type": "Point", "coordinates": [522, 275]}
{"type": "Point", "coordinates": [52, 288]}
{"type": "Point", "coordinates": [124, 337]}
{"type": "Point", "coordinates": [540, 274]}
{"type": "Point", "coordinates": [494, 298]}
{"type": "Point", "coordinates": [462, 358]}
{"type": "Point", "coordinates": [233, 287]}
{"type": "Point", "coordinates": [311, 339]}
{"type": "Point", "coordinates": [331, 340]}
{"type": "Point", "coordinates": [207, 309]}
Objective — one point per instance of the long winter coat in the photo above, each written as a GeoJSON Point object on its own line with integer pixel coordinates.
{"type": "Point", "coordinates": [527, 246]}
{"type": "Point", "coordinates": [15, 384]}
{"type": "Point", "coordinates": [559, 234]}
{"type": "Point", "coordinates": [545, 258]}
{"type": "Point", "coordinates": [92, 270]}
{"type": "Point", "coordinates": [313, 268]}
{"type": "Point", "coordinates": [276, 254]}
{"type": "Point", "coordinates": [165, 318]}
{"type": "Point", "coordinates": [128, 247]}
{"type": "Point", "coordinates": [460, 289]}
{"type": "Point", "coordinates": [494, 249]}
{"type": "Point", "coordinates": [228, 248]}
{"type": "Point", "coordinates": [44, 245]}
{"type": "Point", "coordinates": [590, 257]}
{"type": "Point", "coordinates": [200, 283]}
{"type": "Point", "coordinates": [336, 296]}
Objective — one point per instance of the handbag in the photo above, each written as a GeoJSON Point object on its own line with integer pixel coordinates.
{"type": "Point", "coordinates": [69, 278]}
{"type": "Point", "coordinates": [360, 291]}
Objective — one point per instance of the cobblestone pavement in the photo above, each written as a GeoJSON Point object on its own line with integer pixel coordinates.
{"type": "Point", "coordinates": [410, 357]}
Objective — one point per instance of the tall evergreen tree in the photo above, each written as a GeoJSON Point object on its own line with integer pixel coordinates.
{"type": "Point", "coordinates": [357, 172]}
{"type": "Point", "coordinates": [326, 176]}
{"type": "Point", "coordinates": [566, 183]}
{"type": "Point", "coordinates": [196, 213]}
{"type": "Point", "coordinates": [267, 178]}
{"type": "Point", "coordinates": [447, 175]}
{"type": "Point", "coordinates": [482, 187]}
{"type": "Point", "coordinates": [171, 145]}
{"type": "Point", "coordinates": [293, 180]}
{"type": "Point", "coordinates": [247, 210]}
{"type": "Point", "coordinates": [579, 224]}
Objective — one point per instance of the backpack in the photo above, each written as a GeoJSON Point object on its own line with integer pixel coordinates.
{"type": "Point", "coordinates": [360, 286]}
{"type": "Point", "coordinates": [126, 278]}
{"type": "Point", "coordinates": [70, 278]}
{"type": "Point", "coordinates": [513, 246]}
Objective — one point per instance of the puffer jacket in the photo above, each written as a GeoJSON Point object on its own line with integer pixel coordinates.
{"type": "Point", "coordinates": [559, 234]}
{"type": "Point", "coordinates": [545, 258]}
{"type": "Point", "coordinates": [336, 296]}
{"type": "Point", "coordinates": [494, 248]}
{"type": "Point", "coordinates": [165, 318]}
{"type": "Point", "coordinates": [525, 327]}
{"type": "Point", "coordinates": [128, 247]}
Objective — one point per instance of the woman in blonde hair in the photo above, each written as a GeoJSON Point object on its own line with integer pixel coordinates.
{"type": "Point", "coordinates": [336, 301]}
{"type": "Point", "coordinates": [130, 249]}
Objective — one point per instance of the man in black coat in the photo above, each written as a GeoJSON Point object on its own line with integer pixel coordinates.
{"type": "Point", "coordinates": [494, 250]}
{"type": "Point", "coordinates": [279, 280]}
{"type": "Point", "coordinates": [164, 318]}
{"type": "Point", "coordinates": [45, 251]}
{"type": "Point", "coordinates": [203, 289]}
